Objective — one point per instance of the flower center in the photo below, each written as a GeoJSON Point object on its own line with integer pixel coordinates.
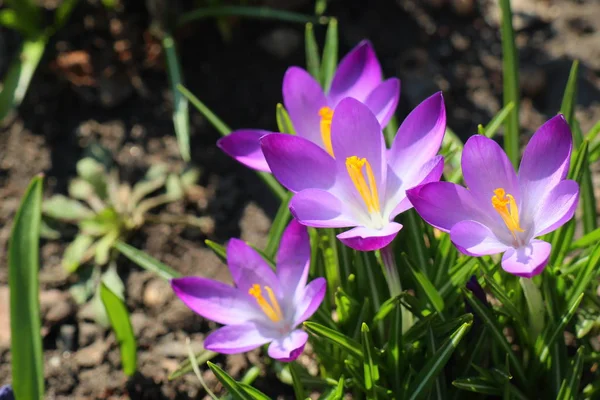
{"type": "Point", "coordinates": [367, 188]}
{"type": "Point", "coordinates": [506, 206]}
{"type": "Point", "coordinates": [270, 307]}
{"type": "Point", "coordinates": [326, 115]}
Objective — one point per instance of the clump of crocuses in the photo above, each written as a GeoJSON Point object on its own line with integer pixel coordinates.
{"type": "Point", "coordinates": [503, 211]}
{"type": "Point", "coordinates": [360, 183]}
{"type": "Point", "coordinates": [264, 306]}
{"type": "Point", "coordinates": [311, 109]}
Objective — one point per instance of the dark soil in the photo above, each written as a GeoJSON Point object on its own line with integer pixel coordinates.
{"type": "Point", "coordinates": [103, 79]}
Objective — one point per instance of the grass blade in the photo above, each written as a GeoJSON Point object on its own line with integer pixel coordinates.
{"type": "Point", "coordinates": [181, 119]}
{"type": "Point", "coordinates": [436, 364]}
{"type": "Point", "coordinates": [145, 261]}
{"type": "Point", "coordinates": [510, 71]}
{"type": "Point", "coordinates": [296, 382]}
{"type": "Point", "coordinates": [234, 388]}
{"type": "Point", "coordinates": [311, 48]}
{"type": "Point", "coordinates": [567, 107]}
{"type": "Point", "coordinates": [19, 75]}
{"type": "Point", "coordinates": [284, 123]}
{"type": "Point", "coordinates": [121, 325]}
{"type": "Point", "coordinates": [584, 276]}
{"type": "Point", "coordinates": [330, 54]}
{"type": "Point", "coordinates": [371, 370]}
{"type": "Point", "coordinates": [431, 292]}
{"type": "Point", "coordinates": [279, 224]}
{"type": "Point", "coordinates": [492, 127]}
{"type": "Point", "coordinates": [339, 339]}
{"type": "Point", "coordinates": [587, 240]}
{"type": "Point", "coordinates": [570, 385]}
{"type": "Point", "coordinates": [249, 12]}
{"type": "Point", "coordinates": [23, 267]}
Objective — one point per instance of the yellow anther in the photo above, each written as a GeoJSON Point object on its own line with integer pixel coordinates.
{"type": "Point", "coordinates": [367, 188]}
{"type": "Point", "coordinates": [272, 309]}
{"type": "Point", "coordinates": [506, 206]}
{"type": "Point", "coordinates": [326, 115]}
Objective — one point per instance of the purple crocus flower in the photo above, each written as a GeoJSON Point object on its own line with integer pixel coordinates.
{"type": "Point", "coordinates": [264, 306]}
{"type": "Point", "coordinates": [6, 393]}
{"type": "Point", "coordinates": [502, 211]}
{"type": "Point", "coordinates": [364, 185]}
{"type": "Point", "coordinates": [311, 110]}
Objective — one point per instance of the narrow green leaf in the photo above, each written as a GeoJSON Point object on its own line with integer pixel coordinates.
{"type": "Point", "coordinates": [76, 252]}
{"type": "Point", "coordinates": [320, 7]}
{"type": "Point", "coordinates": [19, 74]}
{"type": "Point", "coordinates": [584, 276]}
{"type": "Point", "coordinates": [311, 48]}
{"type": "Point", "coordinates": [478, 385]}
{"type": "Point", "coordinates": [145, 261]}
{"type": "Point", "coordinates": [330, 54]}
{"type": "Point", "coordinates": [593, 132]}
{"type": "Point", "coordinates": [187, 365]}
{"type": "Point", "coordinates": [249, 12]}
{"type": "Point", "coordinates": [181, 119]}
{"type": "Point", "coordinates": [64, 10]}
{"type": "Point", "coordinates": [435, 365]}
{"type": "Point", "coordinates": [492, 127]}
{"type": "Point", "coordinates": [234, 388]}
{"type": "Point", "coordinates": [390, 131]}
{"type": "Point", "coordinates": [23, 267]}
{"type": "Point", "coordinates": [567, 108]}
{"type": "Point", "coordinates": [490, 321]}
{"type": "Point", "coordinates": [121, 325]}
{"type": "Point", "coordinates": [338, 338]}
{"type": "Point", "coordinates": [371, 370]}
{"type": "Point", "coordinates": [284, 123]}
{"type": "Point", "coordinates": [253, 392]}
{"type": "Point", "coordinates": [430, 291]}
{"type": "Point", "coordinates": [296, 382]}
{"type": "Point", "coordinates": [508, 306]}
{"type": "Point", "coordinates": [569, 389]}
{"type": "Point", "coordinates": [587, 240]}
{"type": "Point", "coordinates": [278, 227]}
{"type": "Point", "coordinates": [587, 194]}
{"type": "Point", "coordinates": [217, 248]}
{"type": "Point", "coordinates": [510, 76]}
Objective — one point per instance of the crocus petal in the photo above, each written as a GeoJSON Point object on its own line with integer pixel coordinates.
{"type": "Point", "coordinates": [297, 162]}
{"type": "Point", "coordinates": [367, 239]}
{"type": "Point", "coordinates": [486, 168]}
{"type": "Point", "coordinates": [358, 73]}
{"type": "Point", "coordinates": [557, 208]}
{"type": "Point", "coordinates": [244, 146]}
{"type": "Point", "coordinates": [311, 299]}
{"type": "Point", "coordinates": [303, 98]}
{"type": "Point", "coordinates": [232, 339]}
{"type": "Point", "coordinates": [384, 100]}
{"type": "Point", "coordinates": [290, 347]}
{"type": "Point", "coordinates": [527, 261]}
{"type": "Point", "coordinates": [545, 162]}
{"type": "Point", "coordinates": [320, 209]}
{"type": "Point", "coordinates": [443, 204]}
{"type": "Point", "coordinates": [475, 239]}
{"type": "Point", "coordinates": [293, 258]}
{"type": "Point", "coordinates": [249, 268]}
{"type": "Point", "coordinates": [430, 172]}
{"type": "Point", "coordinates": [214, 300]}
{"type": "Point", "coordinates": [355, 131]}
{"type": "Point", "coordinates": [419, 137]}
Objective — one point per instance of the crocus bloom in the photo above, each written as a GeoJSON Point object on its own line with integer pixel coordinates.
{"type": "Point", "coordinates": [364, 185]}
{"type": "Point", "coordinates": [6, 393]}
{"type": "Point", "coordinates": [264, 306]}
{"type": "Point", "coordinates": [311, 110]}
{"type": "Point", "coordinates": [502, 211]}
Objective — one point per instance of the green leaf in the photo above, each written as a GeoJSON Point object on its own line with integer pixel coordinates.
{"type": "Point", "coordinates": [510, 76]}
{"type": "Point", "coordinates": [278, 227]}
{"type": "Point", "coordinates": [585, 276]}
{"type": "Point", "coordinates": [311, 48]}
{"type": "Point", "coordinates": [253, 392]}
{"type": "Point", "coordinates": [217, 249]}
{"type": "Point", "coordinates": [64, 10]}
{"type": "Point", "coordinates": [330, 54]}
{"type": "Point", "coordinates": [337, 338]}
{"type": "Point", "coordinates": [105, 221]}
{"type": "Point", "coordinates": [569, 389]}
{"type": "Point", "coordinates": [23, 268]}
{"type": "Point", "coordinates": [248, 12]}
{"type": "Point", "coordinates": [145, 261]}
{"type": "Point", "coordinates": [296, 382]}
{"type": "Point", "coordinates": [430, 291]}
{"type": "Point", "coordinates": [492, 127]}
{"type": "Point", "coordinates": [65, 209]}
{"type": "Point", "coordinates": [234, 388]}
{"type": "Point", "coordinates": [19, 74]}
{"type": "Point", "coordinates": [478, 385]}
{"type": "Point", "coordinates": [121, 325]}
{"type": "Point", "coordinates": [284, 123]}
{"type": "Point", "coordinates": [103, 247]}
{"type": "Point", "coordinates": [390, 131]}
{"type": "Point", "coordinates": [567, 108]}
{"type": "Point", "coordinates": [425, 379]}
{"type": "Point", "coordinates": [371, 370]}
{"type": "Point", "coordinates": [181, 119]}
{"type": "Point", "coordinates": [77, 252]}
{"type": "Point", "coordinates": [490, 321]}
{"type": "Point", "coordinates": [587, 240]}
{"type": "Point", "coordinates": [186, 366]}
{"type": "Point", "coordinates": [588, 197]}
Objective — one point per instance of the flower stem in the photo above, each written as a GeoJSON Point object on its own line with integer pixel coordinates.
{"type": "Point", "coordinates": [393, 281]}
{"type": "Point", "coordinates": [535, 306]}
